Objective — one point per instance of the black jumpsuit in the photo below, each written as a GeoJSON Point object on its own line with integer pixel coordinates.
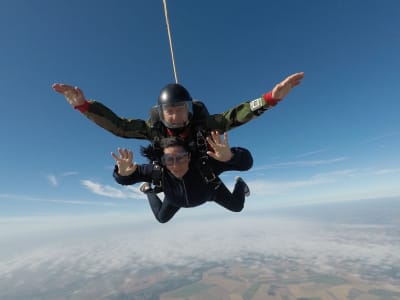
{"type": "Point", "coordinates": [192, 190]}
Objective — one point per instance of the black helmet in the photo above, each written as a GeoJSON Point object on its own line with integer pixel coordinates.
{"type": "Point", "coordinates": [175, 96]}
{"type": "Point", "coordinates": [173, 93]}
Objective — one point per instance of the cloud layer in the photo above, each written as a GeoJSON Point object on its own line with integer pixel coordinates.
{"type": "Point", "coordinates": [94, 248]}
{"type": "Point", "coordinates": [64, 255]}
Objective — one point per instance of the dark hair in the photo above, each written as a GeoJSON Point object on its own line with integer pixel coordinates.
{"type": "Point", "coordinates": [150, 153]}
{"type": "Point", "coordinates": [174, 142]}
{"type": "Point", "coordinates": [153, 154]}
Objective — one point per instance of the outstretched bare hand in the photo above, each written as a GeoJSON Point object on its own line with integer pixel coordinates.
{"type": "Point", "coordinates": [221, 150]}
{"type": "Point", "coordinates": [282, 89]}
{"type": "Point", "coordinates": [124, 162]}
{"type": "Point", "coordinates": [74, 95]}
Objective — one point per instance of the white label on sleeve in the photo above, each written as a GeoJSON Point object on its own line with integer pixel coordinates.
{"type": "Point", "coordinates": [256, 104]}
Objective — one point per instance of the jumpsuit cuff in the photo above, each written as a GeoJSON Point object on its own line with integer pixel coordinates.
{"type": "Point", "coordinates": [269, 100]}
{"type": "Point", "coordinates": [83, 107]}
{"type": "Point", "coordinates": [241, 157]}
{"type": "Point", "coordinates": [123, 180]}
{"type": "Point", "coordinates": [236, 151]}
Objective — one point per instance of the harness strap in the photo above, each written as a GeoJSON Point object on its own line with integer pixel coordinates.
{"type": "Point", "coordinates": [157, 171]}
{"type": "Point", "coordinates": [156, 176]}
{"type": "Point", "coordinates": [202, 157]}
{"type": "Point", "coordinates": [205, 169]}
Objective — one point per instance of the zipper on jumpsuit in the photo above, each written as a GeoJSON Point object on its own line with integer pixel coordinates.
{"type": "Point", "coordinates": [186, 195]}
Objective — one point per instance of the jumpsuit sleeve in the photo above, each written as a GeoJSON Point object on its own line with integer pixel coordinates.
{"type": "Point", "coordinates": [107, 119]}
{"type": "Point", "coordinates": [241, 114]}
{"type": "Point", "coordinates": [142, 173]}
{"type": "Point", "coordinates": [242, 160]}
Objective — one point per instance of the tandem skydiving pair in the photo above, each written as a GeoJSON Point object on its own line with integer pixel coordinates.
{"type": "Point", "coordinates": [186, 154]}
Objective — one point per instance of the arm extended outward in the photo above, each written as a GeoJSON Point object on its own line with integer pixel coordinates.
{"type": "Point", "coordinates": [247, 111]}
{"type": "Point", "coordinates": [102, 115]}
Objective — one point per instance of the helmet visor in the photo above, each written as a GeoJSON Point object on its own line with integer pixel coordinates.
{"type": "Point", "coordinates": [175, 115]}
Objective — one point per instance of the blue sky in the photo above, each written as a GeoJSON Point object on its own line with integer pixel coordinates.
{"type": "Point", "coordinates": [335, 137]}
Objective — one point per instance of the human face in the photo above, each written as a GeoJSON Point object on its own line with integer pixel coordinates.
{"type": "Point", "coordinates": [176, 159]}
{"type": "Point", "coordinates": [175, 116]}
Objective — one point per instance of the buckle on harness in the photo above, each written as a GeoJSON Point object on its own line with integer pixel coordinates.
{"type": "Point", "coordinates": [210, 177]}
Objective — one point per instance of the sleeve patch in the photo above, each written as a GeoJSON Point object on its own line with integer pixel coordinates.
{"type": "Point", "coordinates": [256, 104]}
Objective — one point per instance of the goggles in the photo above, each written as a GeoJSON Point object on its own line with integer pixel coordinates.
{"type": "Point", "coordinates": [170, 160]}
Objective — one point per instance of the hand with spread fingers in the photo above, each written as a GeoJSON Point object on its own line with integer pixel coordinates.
{"type": "Point", "coordinates": [124, 162]}
{"type": "Point", "coordinates": [74, 95]}
{"type": "Point", "coordinates": [221, 150]}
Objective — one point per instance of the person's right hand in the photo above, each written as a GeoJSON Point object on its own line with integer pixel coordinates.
{"type": "Point", "coordinates": [221, 150]}
{"type": "Point", "coordinates": [124, 162]}
{"type": "Point", "coordinates": [74, 95]}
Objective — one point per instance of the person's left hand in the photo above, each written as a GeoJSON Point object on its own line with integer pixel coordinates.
{"type": "Point", "coordinates": [221, 150]}
{"type": "Point", "coordinates": [282, 89]}
{"type": "Point", "coordinates": [124, 162]}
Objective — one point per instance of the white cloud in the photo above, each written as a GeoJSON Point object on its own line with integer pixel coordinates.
{"type": "Point", "coordinates": [262, 187]}
{"type": "Point", "coordinates": [339, 185]}
{"type": "Point", "coordinates": [59, 201]}
{"type": "Point", "coordinates": [387, 171]}
{"type": "Point", "coordinates": [301, 163]}
{"type": "Point", "coordinates": [112, 192]}
{"type": "Point", "coordinates": [311, 153]}
{"type": "Point", "coordinates": [381, 137]}
{"type": "Point", "coordinates": [88, 249]}
{"type": "Point", "coordinates": [54, 179]}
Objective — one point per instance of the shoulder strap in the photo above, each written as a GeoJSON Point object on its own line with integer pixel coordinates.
{"type": "Point", "coordinates": [200, 111]}
{"type": "Point", "coordinates": [204, 167]}
{"type": "Point", "coordinates": [156, 133]}
{"type": "Point", "coordinates": [153, 115]}
{"type": "Point", "coordinates": [157, 176]}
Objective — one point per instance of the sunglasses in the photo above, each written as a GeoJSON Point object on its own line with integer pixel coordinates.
{"type": "Point", "coordinates": [170, 160]}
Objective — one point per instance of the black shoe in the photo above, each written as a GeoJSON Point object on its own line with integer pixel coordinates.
{"type": "Point", "coordinates": [246, 189]}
